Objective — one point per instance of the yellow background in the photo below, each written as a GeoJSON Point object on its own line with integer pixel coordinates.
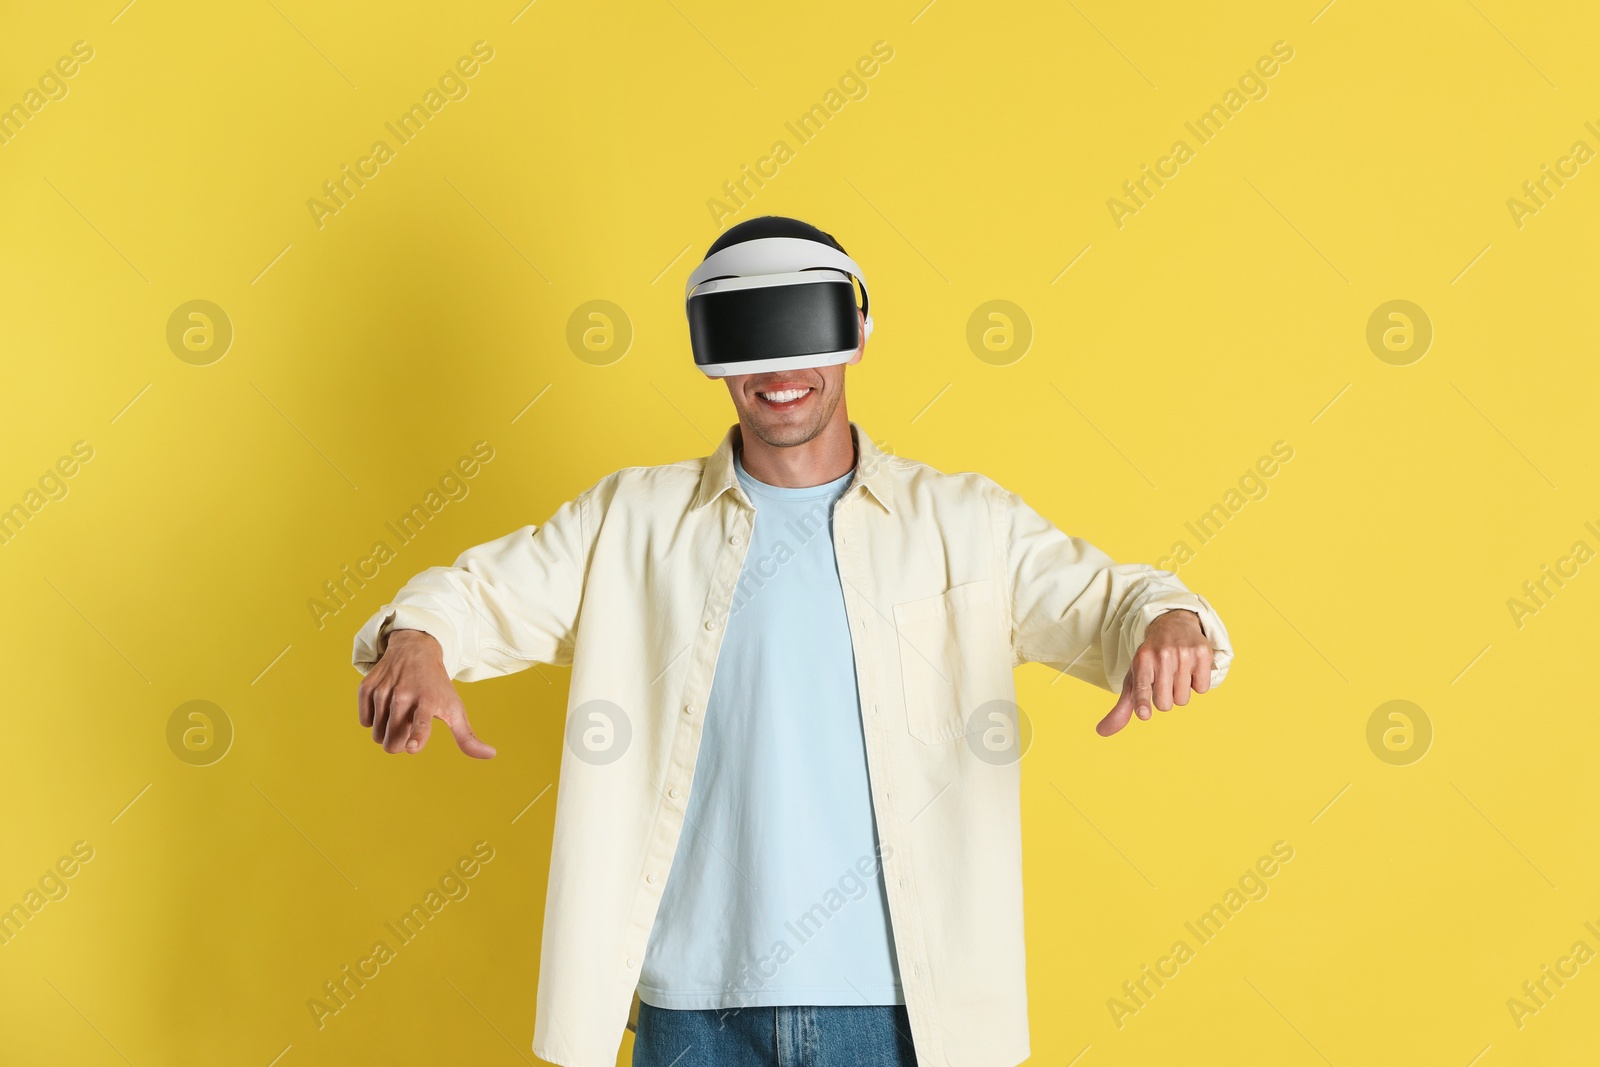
{"type": "Point", "coordinates": [1228, 314]}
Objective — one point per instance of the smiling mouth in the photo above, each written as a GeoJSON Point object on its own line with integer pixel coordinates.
{"type": "Point", "coordinates": [784, 399]}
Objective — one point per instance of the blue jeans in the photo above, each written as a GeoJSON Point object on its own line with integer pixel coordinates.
{"type": "Point", "coordinates": [799, 1036]}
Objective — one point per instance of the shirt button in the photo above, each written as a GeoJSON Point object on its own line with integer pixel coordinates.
{"type": "Point", "coordinates": [674, 794]}
{"type": "Point", "coordinates": [735, 539]}
{"type": "Point", "coordinates": [651, 879]}
{"type": "Point", "coordinates": [632, 962]}
{"type": "Point", "coordinates": [688, 709]}
{"type": "Point", "coordinates": [711, 624]}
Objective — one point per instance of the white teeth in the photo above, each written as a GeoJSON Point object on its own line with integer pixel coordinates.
{"type": "Point", "coordinates": [784, 396]}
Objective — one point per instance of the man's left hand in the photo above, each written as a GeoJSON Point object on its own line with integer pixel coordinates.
{"type": "Point", "coordinates": [1174, 658]}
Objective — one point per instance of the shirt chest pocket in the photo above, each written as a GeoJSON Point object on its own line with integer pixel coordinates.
{"type": "Point", "coordinates": [953, 658]}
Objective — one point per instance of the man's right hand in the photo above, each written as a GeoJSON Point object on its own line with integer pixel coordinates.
{"type": "Point", "coordinates": [406, 690]}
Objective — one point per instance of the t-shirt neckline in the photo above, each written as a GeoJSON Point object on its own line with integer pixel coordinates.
{"type": "Point", "coordinates": [752, 484]}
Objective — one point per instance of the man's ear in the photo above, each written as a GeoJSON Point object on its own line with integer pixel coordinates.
{"type": "Point", "coordinates": [861, 349]}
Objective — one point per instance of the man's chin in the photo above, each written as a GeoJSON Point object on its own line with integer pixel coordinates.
{"type": "Point", "coordinates": [783, 433]}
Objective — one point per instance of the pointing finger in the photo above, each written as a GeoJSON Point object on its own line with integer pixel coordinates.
{"type": "Point", "coordinates": [1120, 713]}
{"type": "Point", "coordinates": [466, 740]}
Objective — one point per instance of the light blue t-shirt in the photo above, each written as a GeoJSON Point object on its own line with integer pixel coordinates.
{"type": "Point", "coordinates": [776, 890]}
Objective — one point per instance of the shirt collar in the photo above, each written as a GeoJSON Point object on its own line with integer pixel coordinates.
{"type": "Point", "coordinates": [871, 469]}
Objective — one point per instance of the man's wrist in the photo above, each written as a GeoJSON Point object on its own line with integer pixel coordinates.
{"type": "Point", "coordinates": [1191, 611]}
{"type": "Point", "coordinates": [404, 637]}
{"type": "Point", "coordinates": [1194, 615]}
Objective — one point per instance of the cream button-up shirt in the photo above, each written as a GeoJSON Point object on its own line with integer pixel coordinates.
{"type": "Point", "coordinates": [950, 582]}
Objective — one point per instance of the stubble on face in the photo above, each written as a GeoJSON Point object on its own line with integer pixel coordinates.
{"type": "Point", "coordinates": [794, 422]}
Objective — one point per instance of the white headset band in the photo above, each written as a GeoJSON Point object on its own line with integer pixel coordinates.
{"type": "Point", "coordinates": [775, 255]}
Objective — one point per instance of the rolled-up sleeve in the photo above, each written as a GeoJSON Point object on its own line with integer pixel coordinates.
{"type": "Point", "coordinates": [1074, 609]}
{"type": "Point", "coordinates": [503, 606]}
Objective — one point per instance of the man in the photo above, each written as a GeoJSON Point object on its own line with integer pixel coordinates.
{"type": "Point", "coordinates": [788, 812]}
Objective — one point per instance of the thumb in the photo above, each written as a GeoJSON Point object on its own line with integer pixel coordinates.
{"type": "Point", "coordinates": [421, 727]}
{"type": "Point", "coordinates": [466, 740]}
{"type": "Point", "coordinates": [1120, 712]}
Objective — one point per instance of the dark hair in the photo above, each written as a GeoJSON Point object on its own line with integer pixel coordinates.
{"type": "Point", "coordinates": [771, 226]}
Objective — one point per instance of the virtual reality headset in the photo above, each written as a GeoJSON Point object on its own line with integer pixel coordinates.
{"type": "Point", "coordinates": [772, 304]}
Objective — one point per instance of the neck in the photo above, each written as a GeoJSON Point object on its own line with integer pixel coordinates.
{"type": "Point", "coordinates": [829, 455]}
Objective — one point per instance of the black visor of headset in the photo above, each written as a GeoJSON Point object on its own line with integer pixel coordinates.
{"type": "Point", "coordinates": [772, 304]}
